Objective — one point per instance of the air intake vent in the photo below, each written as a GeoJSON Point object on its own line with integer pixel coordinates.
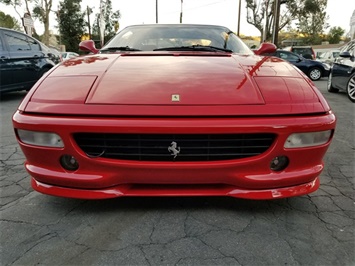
{"type": "Point", "coordinates": [181, 148]}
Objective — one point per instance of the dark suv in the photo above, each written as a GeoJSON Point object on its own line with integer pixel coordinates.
{"type": "Point", "coordinates": [306, 51]}
{"type": "Point", "coordinates": [23, 60]}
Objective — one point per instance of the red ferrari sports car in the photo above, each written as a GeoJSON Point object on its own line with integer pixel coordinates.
{"type": "Point", "coordinates": [174, 110]}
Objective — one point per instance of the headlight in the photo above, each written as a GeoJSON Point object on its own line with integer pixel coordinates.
{"type": "Point", "coordinates": [45, 139]}
{"type": "Point", "coordinates": [300, 140]}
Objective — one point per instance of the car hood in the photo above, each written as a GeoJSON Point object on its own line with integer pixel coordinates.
{"type": "Point", "coordinates": [170, 83]}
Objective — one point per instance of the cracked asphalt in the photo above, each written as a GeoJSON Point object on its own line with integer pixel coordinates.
{"type": "Point", "coordinates": [317, 229]}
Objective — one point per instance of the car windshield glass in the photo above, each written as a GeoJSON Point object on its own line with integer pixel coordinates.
{"type": "Point", "coordinates": [177, 38]}
{"type": "Point", "coordinates": [302, 51]}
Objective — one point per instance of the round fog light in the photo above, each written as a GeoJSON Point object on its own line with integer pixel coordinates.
{"type": "Point", "coordinates": [68, 162]}
{"type": "Point", "coordinates": [279, 163]}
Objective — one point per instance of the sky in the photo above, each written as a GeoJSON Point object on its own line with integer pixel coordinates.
{"type": "Point", "coordinates": [219, 12]}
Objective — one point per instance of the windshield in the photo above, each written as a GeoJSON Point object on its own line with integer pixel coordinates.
{"type": "Point", "coordinates": [158, 37]}
{"type": "Point", "coordinates": [336, 54]}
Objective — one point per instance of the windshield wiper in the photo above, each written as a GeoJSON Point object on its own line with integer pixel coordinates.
{"type": "Point", "coordinates": [197, 47]}
{"type": "Point", "coordinates": [120, 48]}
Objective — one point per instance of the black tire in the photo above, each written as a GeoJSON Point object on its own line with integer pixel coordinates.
{"type": "Point", "coordinates": [350, 88]}
{"type": "Point", "coordinates": [315, 73]}
{"type": "Point", "coordinates": [330, 87]}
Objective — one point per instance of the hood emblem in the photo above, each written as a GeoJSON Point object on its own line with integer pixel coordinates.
{"type": "Point", "coordinates": [175, 98]}
{"type": "Point", "coordinates": [174, 149]}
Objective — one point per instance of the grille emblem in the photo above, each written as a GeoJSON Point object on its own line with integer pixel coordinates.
{"type": "Point", "coordinates": [175, 98]}
{"type": "Point", "coordinates": [174, 149]}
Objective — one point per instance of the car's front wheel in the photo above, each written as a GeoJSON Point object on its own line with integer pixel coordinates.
{"type": "Point", "coordinates": [330, 87]}
{"type": "Point", "coordinates": [350, 88]}
{"type": "Point", "coordinates": [315, 73]}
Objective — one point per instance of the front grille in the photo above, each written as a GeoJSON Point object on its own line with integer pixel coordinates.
{"type": "Point", "coordinates": [160, 147]}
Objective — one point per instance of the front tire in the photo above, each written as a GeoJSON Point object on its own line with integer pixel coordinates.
{"type": "Point", "coordinates": [330, 87]}
{"type": "Point", "coordinates": [350, 88]}
{"type": "Point", "coordinates": [315, 73]}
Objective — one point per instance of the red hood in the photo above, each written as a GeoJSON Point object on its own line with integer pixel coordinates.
{"type": "Point", "coordinates": [174, 84]}
{"type": "Point", "coordinates": [158, 80]}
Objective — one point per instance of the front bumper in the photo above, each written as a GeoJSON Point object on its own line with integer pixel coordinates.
{"type": "Point", "coordinates": [99, 178]}
{"type": "Point", "coordinates": [176, 190]}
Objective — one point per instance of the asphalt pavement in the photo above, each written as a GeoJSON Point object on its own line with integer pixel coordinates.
{"type": "Point", "coordinates": [316, 229]}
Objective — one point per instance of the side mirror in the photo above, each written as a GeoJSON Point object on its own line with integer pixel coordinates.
{"type": "Point", "coordinates": [345, 54]}
{"type": "Point", "coordinates": [266, 47]}
{"type": "Point", "coordinates": [88, 46]}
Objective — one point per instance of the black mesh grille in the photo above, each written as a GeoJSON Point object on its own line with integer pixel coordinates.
{"type": "Point", "coordinates": [191, 147]}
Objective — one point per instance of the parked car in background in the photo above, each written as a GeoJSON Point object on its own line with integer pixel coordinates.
{"type": "Point", "coordinates": [313, 69]}
{"type": "Point", "coordinates": [68, 55]}
{"type": "Point", "coordinates": [342, 74]}
{"type": "Point", "coordinates": [174, 110]}
{"type": "Point", "coordinates": [23, 60]}
{"type": "Point", "coordinates": [328, 57]}
{"type": "Point", "coordinates": [306, 51]}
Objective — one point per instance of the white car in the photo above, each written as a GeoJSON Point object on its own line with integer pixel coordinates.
{"type": "Point", "coordinates": [68, 55]}
{"type": "Point", "coordinates": [328, 57]}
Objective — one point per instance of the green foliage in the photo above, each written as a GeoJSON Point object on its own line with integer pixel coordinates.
{"type": "Point", "coordinates": [6, 21]}
{"type": "Point", "coordinates": [11, 2]}
{"type": "Point", "coordinates": [18, 5]}
{"type": "Point", "coordinates": [310, 17]}
{"type": "Point", "coordinates": [312, 20]}
{"type": "Point", "coordinates": [39, 12]}
{"type": "Point", "coordinates": [111, 23]}
{"type": "Point", "coordinates": [42, 11]}
{"type": "Point", "coordinates": [335, 34]}
{"type": "Point", "coordinates": [71, 23]}
{"type": "Point", "coordinates": [262, 12]}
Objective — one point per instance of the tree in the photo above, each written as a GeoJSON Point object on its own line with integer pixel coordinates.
{"type": "Point", "coordinates": [42, 11]}
{"type": "Point", "coordinates": [71, 23]}
{"type": "Point", "coordinates": [111, 22]}
{"type": "Point", "coordinates": [262, 14]}
{"type": "Point", "coordinates": [335, 34]}
{"type": "Point", "coordinates": [7, 21]}
{"type": "Point", "coordinates": [312, 20]}
{"type": "Point", "coordinates": [17, 4]}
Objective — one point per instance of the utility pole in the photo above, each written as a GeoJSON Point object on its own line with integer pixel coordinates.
{"type": "Point", "coordinates": [266, 21]}
{"type": "Point", "coordinates": [181, 13]}
{"type": "Point", "coordinates": [156, 11]}
{"type": "Point", "coordinates": [238, 29]}
{"type": "Point", "coordinates": [88, 11]}
{"type": "Point", "coordinates": [102, 21]}
{"type": "Point", "coordinates": [275, 34]}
